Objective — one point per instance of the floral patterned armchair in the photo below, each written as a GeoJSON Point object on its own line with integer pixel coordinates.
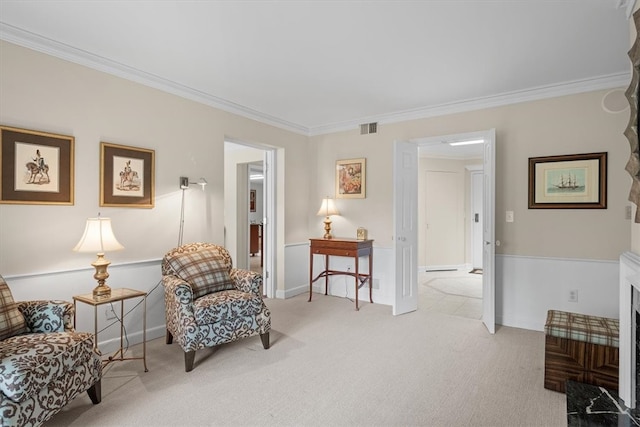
{"type": "Point", "coordinates": [44, 363]}
{"type": "Point", "coordinates": [208, 302]}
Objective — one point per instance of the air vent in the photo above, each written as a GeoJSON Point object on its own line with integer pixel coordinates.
{"type": "Point", "coordinates": [368, 128]}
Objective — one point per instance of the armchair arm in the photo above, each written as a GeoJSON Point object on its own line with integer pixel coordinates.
{"type": "Point", "coordinates": [180, 317]}
{"type": "Point", "coordinates": [246, 280]}
{"type": "Point", "coordinates": [47, 316]}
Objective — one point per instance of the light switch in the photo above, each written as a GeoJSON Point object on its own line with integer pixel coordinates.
{"type": "Point", "coordinates": [509, 216]}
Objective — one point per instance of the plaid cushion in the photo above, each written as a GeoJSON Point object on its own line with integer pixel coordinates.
{"type": "Point", "coordinates": [581, 327]}
{"type": "Point", "coordinates": [11, 319]}
{"type": "Point", "coordinates": [205, 270]}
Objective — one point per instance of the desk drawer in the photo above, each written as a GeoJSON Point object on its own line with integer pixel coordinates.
{"type": "Point", "coordinates": [335, 252]}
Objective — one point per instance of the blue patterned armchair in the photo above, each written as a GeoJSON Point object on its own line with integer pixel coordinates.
{"type": "Point", "coordinates": [44, 363]}
{"type": "Point", "coordinates": [208, 302]}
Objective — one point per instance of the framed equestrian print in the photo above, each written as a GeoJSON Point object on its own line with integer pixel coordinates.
{"type": "Point", "coordinates": [36, 167]}
{"type": "Point", "coordinates": [127, 176]}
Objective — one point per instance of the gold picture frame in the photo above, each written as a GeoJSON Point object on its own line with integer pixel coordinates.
{"type": "Point", "coordinates": [36, 167]}
{"type": "Point", "coordinates": [351, 179]}
{"type": "Point", "coordinates": [576, 181]}
{"type": "Point", "coordinates": [127, 176]}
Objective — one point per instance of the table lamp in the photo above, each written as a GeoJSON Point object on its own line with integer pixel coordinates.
{"type": "Point", "coordinates": [327, 209]}
{"type": "Point", "coordinates": [98, 237]}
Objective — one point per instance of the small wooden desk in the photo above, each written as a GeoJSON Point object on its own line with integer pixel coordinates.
{"type": "Point", "coordinates": [346, 248]}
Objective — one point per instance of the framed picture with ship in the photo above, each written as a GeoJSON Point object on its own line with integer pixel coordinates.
{"type": "Point", "coordinates": [575, 181]}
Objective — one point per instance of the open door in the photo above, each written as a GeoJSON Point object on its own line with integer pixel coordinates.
{"type": "Point", "coordinates": [405, 223]}
{"type": "Point", "coordinates": [488, 234]}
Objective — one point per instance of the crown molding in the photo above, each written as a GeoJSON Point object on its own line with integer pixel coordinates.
{"type": "Point", "coordinates": [542, 92]}
{"type": "Point", "coordinates": [45, 45]}
{"type": "Point", "coordinates": [63, 51]}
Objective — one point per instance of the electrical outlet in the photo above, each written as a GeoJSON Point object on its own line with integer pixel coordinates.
{"type": "Point", "coordinates": [109, 313]}
{"type": "Point", "coordinates": [627, 212]}
{"type": "Point", "coordinates": [573, 295]}
{"type": "Point", "coordinates": [376, 284]}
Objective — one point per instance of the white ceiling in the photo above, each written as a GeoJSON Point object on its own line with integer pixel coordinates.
{"type": "Point", "coordinates": [320, 66]}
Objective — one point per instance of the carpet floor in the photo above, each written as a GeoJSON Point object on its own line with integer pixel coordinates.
{"type": "Point", "coordinates": [330, 365]}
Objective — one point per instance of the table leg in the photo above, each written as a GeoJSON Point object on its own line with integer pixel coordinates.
{"type": "Point", "coordinates": [370, 275]}
{"type": "Point", "coordinates": [326, 273]}
{"type": "Point", "coordinates": [121, 329]}
{"type": "Point", "coordinates": [357, 281]}
{"type": "Point", "coordinates": [310, 275]}
{"type": "Point", "coordinates": [95, 327]}
{"type": "Point", "coordinates": [144, 335]}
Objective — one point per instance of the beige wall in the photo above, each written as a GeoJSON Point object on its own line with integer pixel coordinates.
{"type": "Point", "coordinates": [44, 93]}
{"type": "Point", "coordinates": [562, 125]}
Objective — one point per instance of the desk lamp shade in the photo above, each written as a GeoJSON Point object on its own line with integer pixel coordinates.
{"type": "Point", "coordinates": [327, 209]}
{"type": "Point", "coordinates": [98, 237]}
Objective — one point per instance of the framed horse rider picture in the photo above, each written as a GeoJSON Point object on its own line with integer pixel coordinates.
{"type": "Point", "coordinates": [127, 176]}
{"type": "Point", "coordinates": [36, 167]}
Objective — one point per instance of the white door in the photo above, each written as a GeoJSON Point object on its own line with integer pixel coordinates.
{"type": "Point", "coordinates": [405, 195]}
{"type": "Point", "coordinates": [269, 224]}
{"type": "Point", "coordinates": [477, 245]}
{"type": "Point", "coordinates": [488, 234]}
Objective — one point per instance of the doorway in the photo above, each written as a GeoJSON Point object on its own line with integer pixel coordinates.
{"type": "Point", "coordinates": [406, 182]}
{"type": "Point", "coordinates": [450, 278]}
{"type": "Point", "coordinates": [249, 200]}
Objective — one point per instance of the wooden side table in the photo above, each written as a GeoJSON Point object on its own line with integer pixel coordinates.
{"type": "Point", "coordinates": [352, 248]}
{"type": "Point", "coordinates": [117, 295]}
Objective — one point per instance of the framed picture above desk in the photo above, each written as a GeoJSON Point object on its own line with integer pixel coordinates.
{"type": "Point", "coordinates": [351, 248]}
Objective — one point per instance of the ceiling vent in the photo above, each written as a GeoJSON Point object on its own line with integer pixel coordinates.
{"type": "Point", "coordinates": [368, 128]}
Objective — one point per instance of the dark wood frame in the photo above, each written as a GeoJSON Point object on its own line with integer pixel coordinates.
{"type": "Point", "coordinates": [252, 200]}
{"type": "Point", "coordinates": [107, 179]}
{"type": "Point", "coordinates": [62, 167]}
{"type": "Point", "coordinates": [557, 202]}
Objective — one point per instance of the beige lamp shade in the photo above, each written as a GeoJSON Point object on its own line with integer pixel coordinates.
{"type": "Point", "coordinates": [327, 208]}
{"type": "Point", "coordinates": [98, 237]}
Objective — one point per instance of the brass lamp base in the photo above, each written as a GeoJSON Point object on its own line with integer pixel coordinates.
{"type": "Point", "coordinates": [327, 228]}
{"type": "Point", "coordinates": [102, 290]}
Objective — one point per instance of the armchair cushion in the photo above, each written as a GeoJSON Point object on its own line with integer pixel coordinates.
{"type": "Point", "coordinates": [225, 305]}
{"type": "Point", "coordinates": [205, 270]}
{"type": "Point", "coordinates": [28, 363]}
{"type": "Point", "coordinates": [11, 319]}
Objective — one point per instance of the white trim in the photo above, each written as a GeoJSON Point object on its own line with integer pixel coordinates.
{"type": "Point", "coordinates": [529, 257]}
{"type": "Point", "coordinates": [77, 269]}
{"type": "Point", "coordinates": [51, 47]}
{"type": "Point", "coordinates": [532, 94]}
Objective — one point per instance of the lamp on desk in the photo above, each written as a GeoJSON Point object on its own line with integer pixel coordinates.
{"type": "Point", "coordinates": [98, 237]}
{"type": "Point", "coordinates": [327, 209]}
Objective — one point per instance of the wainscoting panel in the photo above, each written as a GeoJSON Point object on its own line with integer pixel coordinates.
{"type": "Point", "coordinates": [526, 287]}
{"type": "Point", "coordinates": [62, 285]}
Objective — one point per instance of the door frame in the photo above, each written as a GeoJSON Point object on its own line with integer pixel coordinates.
{"type": "Point", "coordinates": [488, 283]}
{"type": "Point", "coordinates": [270, 201]}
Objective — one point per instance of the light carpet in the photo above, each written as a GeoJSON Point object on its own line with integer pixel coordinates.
{"type": "Point", "coordinates": [330, 365]}
{"type": "Point", "coordinates": [463, 286]}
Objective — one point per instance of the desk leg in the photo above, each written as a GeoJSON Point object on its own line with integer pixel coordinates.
{"type": "Point", "coordinates": [357, 280]}
{"type": "Point", "coordinates": [370, 276]}
{"type": "Point", "coordinates": [310, 275]}
{"type": "Point", "coordinates": [326, 273]}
